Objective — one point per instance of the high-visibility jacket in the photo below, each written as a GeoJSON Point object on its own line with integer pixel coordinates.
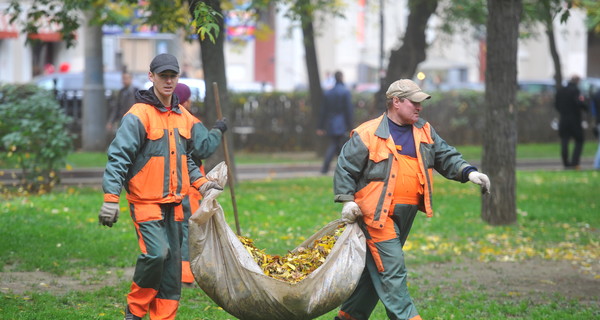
{"type": "Point", "coordinates": [368, 167]}
{"type": "Point", "coordinates": [151, 154]}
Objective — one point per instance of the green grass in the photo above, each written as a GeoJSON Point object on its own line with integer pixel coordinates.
{"type": "Point", "coordinates": [81, 159]}
{"type": "Point", "coordinates": [557, 219]}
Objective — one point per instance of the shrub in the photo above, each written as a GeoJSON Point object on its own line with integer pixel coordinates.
{"type": "Point", "coordinates": [278, 121]}
{"type": "Point", "coordinates": [34, 135]}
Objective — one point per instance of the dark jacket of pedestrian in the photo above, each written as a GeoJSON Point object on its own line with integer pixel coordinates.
{"type": "Point", "coordinates": [125, 99]}
{"type": "Point", "coordinates": [337, 111]}
{"type": "Point", "coordinates": [569, 104]}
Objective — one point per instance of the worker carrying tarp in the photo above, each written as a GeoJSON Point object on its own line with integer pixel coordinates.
{"type": "Point", "coordinates": [228, 274]}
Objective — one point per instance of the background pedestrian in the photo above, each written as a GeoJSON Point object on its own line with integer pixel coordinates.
{"type": "Point", "coordinates": [335, 119]}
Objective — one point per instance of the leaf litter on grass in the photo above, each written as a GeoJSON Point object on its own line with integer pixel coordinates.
{"type": "Point", "coordinates": [515, 246]}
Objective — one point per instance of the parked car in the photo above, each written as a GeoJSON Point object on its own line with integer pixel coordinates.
{"type": "Point", "coordinates": [253, 86]}
{"type": "Point", "coordinates": [537, 86]}
{"type": "Point", "coordinates": [72, 83]}
{"type": "Point", "coordinates": [589, 86]}
{"type": "Point", "coordinates": [68, 89]}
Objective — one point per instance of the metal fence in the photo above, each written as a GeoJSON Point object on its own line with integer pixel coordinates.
{"type": "Point", "coordinates": [284, 121]}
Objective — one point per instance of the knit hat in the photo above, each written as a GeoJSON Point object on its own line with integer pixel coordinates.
{"type": "Point", "coordinates": [183, 92]}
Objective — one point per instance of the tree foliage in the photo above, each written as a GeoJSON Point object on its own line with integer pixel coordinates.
{"type": "Point", "coordinates": [168, 16]}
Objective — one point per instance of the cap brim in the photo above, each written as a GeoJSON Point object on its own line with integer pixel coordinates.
{"type": "Point", "coordinates": [418, 97]}
{"type": "Point", "coordinates": [166, 68]}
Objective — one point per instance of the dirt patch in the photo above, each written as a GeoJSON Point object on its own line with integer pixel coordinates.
{"type": "Point", "coordinates": [531, 279]}
{"type": "Point", "coordinates": [89, 280]}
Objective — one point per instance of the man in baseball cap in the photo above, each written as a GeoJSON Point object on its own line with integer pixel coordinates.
{"type": "Point", "coordinates": [149, 158]}
{"type": "Point", "coordinates": [393, 158]}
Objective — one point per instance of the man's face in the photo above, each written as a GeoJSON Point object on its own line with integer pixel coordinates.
{"type": "Point", "coordinates": [406, 111]}
{"type": "Point", "coordinates": [164, 82]}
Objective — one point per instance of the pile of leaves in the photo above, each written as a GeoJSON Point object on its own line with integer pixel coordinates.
{"type": "Point", "coordinates": [294, 266]}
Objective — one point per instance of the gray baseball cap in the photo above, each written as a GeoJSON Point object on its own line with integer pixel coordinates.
{"type": "Point", "coordinates": [405, 88]}
{"type": "Point", "coordinates": [164, 62]}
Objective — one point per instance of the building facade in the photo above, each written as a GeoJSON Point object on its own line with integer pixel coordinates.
{"type": "Point", "coordinates": [257, 58]}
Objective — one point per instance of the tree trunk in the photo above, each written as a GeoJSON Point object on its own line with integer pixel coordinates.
{"type": "Point", "coordinates": [312, 66]}
{"type": "Point", "coordinates": [548, 23]}
{"type": "Point", "coordinates": [213, 64]}
{"type": "Point", "coordinates": [500, 135]}
{"type": "Point", "coordinates": [403, 62]}
{"type": "Point", "coordinates": [94, 106]}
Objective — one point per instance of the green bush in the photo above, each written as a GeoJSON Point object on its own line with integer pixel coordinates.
{"type": "Point", "coordinates": [278, 121]}
{"type": "Point", "coordinates": [34, 135]}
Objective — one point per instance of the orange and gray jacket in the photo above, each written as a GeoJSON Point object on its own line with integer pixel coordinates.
{"type": "Point", "coordinates": [367, 167]}
{"type": "Point", "coordinates": [151, 155]}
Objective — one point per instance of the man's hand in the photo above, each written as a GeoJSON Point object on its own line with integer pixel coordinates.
{"type": "Point", "coordinates": [207, 186]}
{"type": "Point", "coordinates": [480, 179]}
{"type": "Point", "coordinates": [221, 124]}
{"type": "Point", "coordinates": [109, 214]}
{"type": "Point", "coordinates": [350, 212]}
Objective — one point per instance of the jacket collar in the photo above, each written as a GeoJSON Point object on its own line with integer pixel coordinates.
{"type": "Point", "coordinates": [383, 130]}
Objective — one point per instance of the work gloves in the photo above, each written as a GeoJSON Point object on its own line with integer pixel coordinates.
{"type": "Point", "coordinates": [109, 214]}
{"type": "Point", "coordinates": [207, 186]}
{"type": "Point", "coordinates": [480, 179]}
{"type": "Point", "coordinates": [350, 212]}
{"type": "Point", "coordinates": [221, 124]}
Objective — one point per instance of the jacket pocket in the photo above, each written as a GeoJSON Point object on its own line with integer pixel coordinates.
{"type": "Point", "coordinates": [185, 133]}
{"type": "Point", "coordinates": [378, 166]}
{"type": "Point", "coordinates": [156, 134]}
{"type": "Point", "coordinates": [183, 138]}
{"type": "Point", "coordinates": [155, 146]}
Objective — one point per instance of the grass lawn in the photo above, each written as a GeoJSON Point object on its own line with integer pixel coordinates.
{"type": "Point", "coordinates": [81, 159]}
{"type": "Point", "coordinates": [525, 151]}
{"type": "Point", "coordinates": [57, 235]}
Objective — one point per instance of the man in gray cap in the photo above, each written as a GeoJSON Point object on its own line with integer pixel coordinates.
{"type": "Point", "coordinates": [151, 157]}
{"type": "Point", "coordinates": [383, 177]}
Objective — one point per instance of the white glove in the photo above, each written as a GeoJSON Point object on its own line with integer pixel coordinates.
{"type": "Point", "coordinates": [350, 212]}
{"type": "Point", "coordinates": [109, 214]}
{"type": "Point", "coordinates": [207, 186]}
{"type": "Point", "coordinates": [480, 179]}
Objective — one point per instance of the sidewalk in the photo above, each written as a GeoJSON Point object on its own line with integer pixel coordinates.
{"type": "Point", "coordinates": [93, 176]}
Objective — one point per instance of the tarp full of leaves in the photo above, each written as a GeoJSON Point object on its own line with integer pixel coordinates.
{"type": "Point", "coordinates": [228, 273]}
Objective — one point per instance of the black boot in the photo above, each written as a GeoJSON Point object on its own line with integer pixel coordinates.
{"type": "Point", "coordinates": [129, 315]}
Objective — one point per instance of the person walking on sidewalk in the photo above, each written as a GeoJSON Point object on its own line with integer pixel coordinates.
{"type": "Point", "coordinates": [335, 118]}
{"type": "Point", "coordinates": [569, 104]}
{"type": "Point", "coordinates": [125, 99]}
{"type": "Point", "coordinates": [383, 177]}
{"type": "Point", "coordinates": [191, 201]}
{"type": "Point", "coordinates": [150, 158]}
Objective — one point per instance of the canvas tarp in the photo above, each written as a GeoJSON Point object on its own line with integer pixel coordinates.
{"type": "Point", "coordinates": [227, 273]}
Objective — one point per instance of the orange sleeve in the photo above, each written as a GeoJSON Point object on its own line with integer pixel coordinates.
{"type": "Point", "coordinates": [196, 184]}
{"type": "Point", "coordinates": [108, 197]}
